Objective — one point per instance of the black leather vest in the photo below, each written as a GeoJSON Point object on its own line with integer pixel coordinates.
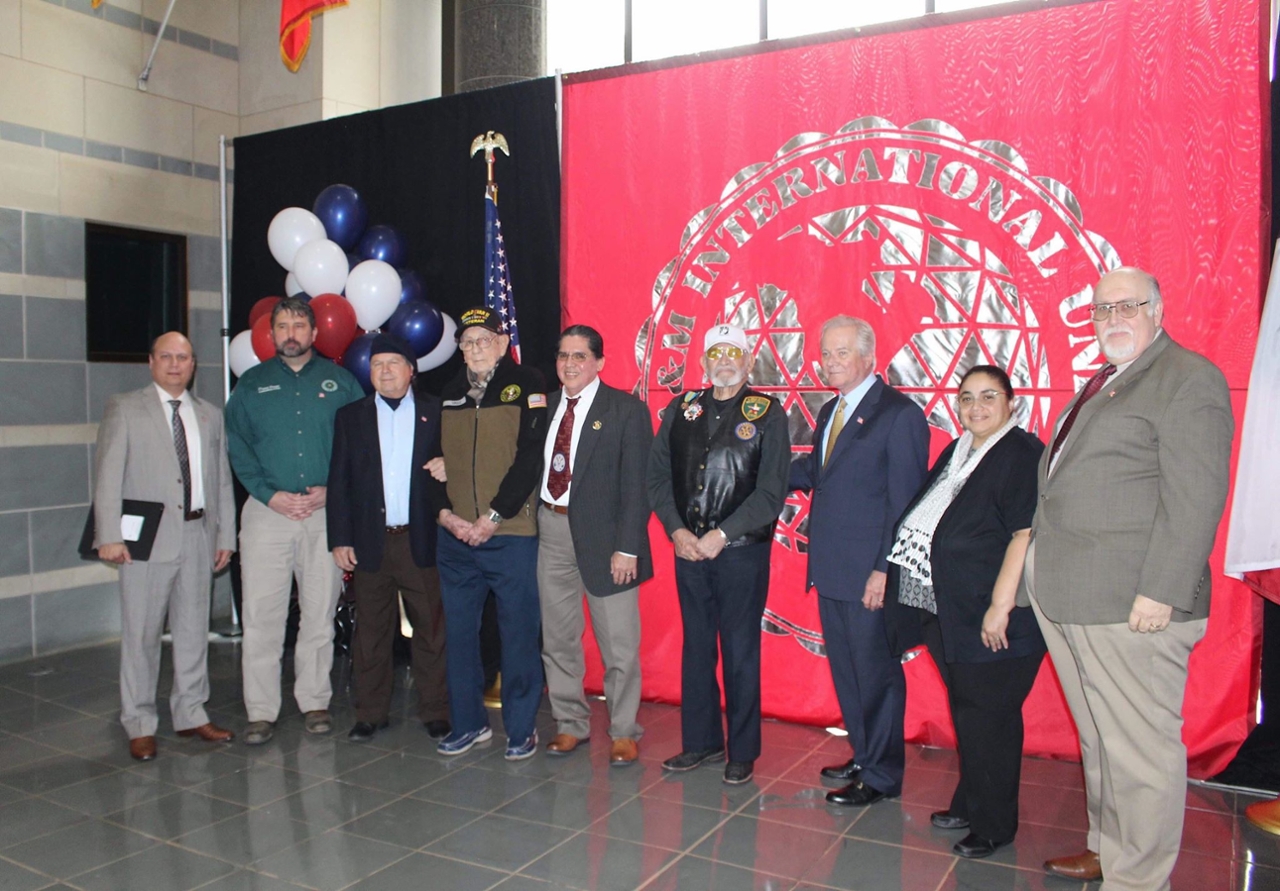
{"type": "Point", "coordinates": [713, 472]}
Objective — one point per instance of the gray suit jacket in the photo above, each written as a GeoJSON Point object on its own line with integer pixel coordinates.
{"type": "Point", "coordinates": [136, 460]}
{"type": "Point", "coordinates": [1134, 501]}
{"type": "Point", "coordinates": [608, 501]}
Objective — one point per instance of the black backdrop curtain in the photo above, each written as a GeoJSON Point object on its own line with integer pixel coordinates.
{"type": "Point", "coordinates": [411, 165]}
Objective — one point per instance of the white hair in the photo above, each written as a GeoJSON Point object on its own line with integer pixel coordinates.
{"type": "Point", "coordinates": [864, 335]}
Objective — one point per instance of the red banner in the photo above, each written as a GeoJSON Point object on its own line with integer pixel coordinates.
{"type": "Point", "coordinates": [961, 186]}
{"type": "Point", "coordinates": [295, 28]}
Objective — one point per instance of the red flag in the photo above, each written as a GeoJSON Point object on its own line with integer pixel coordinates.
{"type": "Point", "coordinates": [295, 28]}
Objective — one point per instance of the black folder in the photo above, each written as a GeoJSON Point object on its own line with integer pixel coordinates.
{"type": "Point", "coordinates": [150, 512]}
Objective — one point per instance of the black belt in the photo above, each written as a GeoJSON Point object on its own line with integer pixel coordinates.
{"type": "Point", "coordinates": [558, 508]}
{"type": "Point", "coordinates": [397, 530]}
{"type": "Point", "coordinates": [194, 514]}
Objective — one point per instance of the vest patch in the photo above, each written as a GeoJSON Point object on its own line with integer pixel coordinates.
{"type": "Point", "coordinates": [754, 407]}
{"type": "Point", "coordinates": [510, 393]}
{"type": "Point", "coordinates": [537, 400]}
{"type": "Point", "coordinates": [745, 430]}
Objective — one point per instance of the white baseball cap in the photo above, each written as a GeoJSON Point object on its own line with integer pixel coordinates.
{"type": "Point", "coordinates": [730, 334]}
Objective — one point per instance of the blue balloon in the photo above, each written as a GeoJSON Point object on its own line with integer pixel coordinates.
{"type": "Point", "coordinates": [382, 243]}
{"type": "Point", "coordinates": [342, 211]}
{"type": "Point", "coordinates": [412, 289]}
{"type": "Point", "coordinates": [356, 359]}
{"type": "Point", "coordinates": [417, 324]}
{"type": "Point", "coordinates": [353, 260]}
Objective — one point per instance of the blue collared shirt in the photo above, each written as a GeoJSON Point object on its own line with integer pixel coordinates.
{"type": "Point", "coordinates": [851, 400]}
{"type": "Point", "coordinates": [395, 440]}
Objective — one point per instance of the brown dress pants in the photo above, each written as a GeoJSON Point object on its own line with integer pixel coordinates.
{"type": "Point", "coordinates": [377, 623]}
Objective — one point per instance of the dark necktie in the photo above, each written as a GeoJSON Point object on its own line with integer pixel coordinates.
{"type": "Point", "coordinates": [560, 475]}
{"type": "Point", "coordinates": [184, 460]}
{"type": "Point", "coordinates": [1090, 390]}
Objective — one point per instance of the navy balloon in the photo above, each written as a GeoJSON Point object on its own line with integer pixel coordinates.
{"type": "Point", "coordinates": [412, 289]}
{"type": "Point", "coordinates": [342, 211]}
{"type": "Point", "coordinates": [382, 243]}
{"type": "Point", "coordinates": [356, 359]}
{"type": "Point", "coordinates": [418, 324]}
{"type": "Point", "coordinates": [353, 260]}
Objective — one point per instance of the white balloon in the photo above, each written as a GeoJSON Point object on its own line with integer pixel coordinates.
{"type": "Point", "coordinates": [290, 229]}
{"type": "Point", "coordinates": [373, 289]}
{"type": "Point", "coordinates": [241, 354]}
{"type": "Point", "coordinates": [447, 346]}
{"type": "Point", "coordinates": [321, 267]}
{"type": "Point", "coordinates": [291, 286]}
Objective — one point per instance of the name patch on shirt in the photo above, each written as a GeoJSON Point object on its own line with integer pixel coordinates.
{"type": "Point", "coordinates": [269, 389]}
{"type": "Point", "coordinates": [510, 393]}
{"type": "Point", "coordinates": [537, 400]}
{"type": "Point", "coordinates": [452, 402]}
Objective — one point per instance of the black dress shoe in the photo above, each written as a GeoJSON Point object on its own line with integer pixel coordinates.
{"type": "Point", "coordinates": [738, 772]}
{"type": "Point", "coordinates": [689, 760]}
{"type": "Point", "coordinates": [948, 820]}
{"type": "Point", "coordinates": [363, 731]}
{"type": "Point", "coordinates": [856, 794]}
{"type": "Point", "coordinates": [975, 847]}
{"type": "Point", "coordinates": [437, 729]}
{"type": "Point", "coordinates": [843, 772]}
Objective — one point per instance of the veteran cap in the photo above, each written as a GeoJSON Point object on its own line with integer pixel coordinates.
{"type": "Point", "coordinates": [479, 317]}
{"type": "Point", "coordinates": [730, 334]}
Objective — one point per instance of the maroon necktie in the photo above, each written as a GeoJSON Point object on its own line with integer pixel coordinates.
{"type": "Point", "coordinates": [1090, 390]}
{"type": "Point", "coordinates": [560, 475]}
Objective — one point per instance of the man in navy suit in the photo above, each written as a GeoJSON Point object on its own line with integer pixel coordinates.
{"type": "Point", "coordinates": [870, 454]}
{"type": "Point", "coordinates": [382, 528]}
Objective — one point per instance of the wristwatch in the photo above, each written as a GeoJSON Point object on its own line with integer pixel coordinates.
{"type": "Point", "coordinates": [495, 518]}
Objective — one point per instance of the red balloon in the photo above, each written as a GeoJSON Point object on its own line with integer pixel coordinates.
{"type": "Point", "coordinates": [263, 346]}
{"type": "Point", "coordinates": [337, 360]}
{"type": "Point", "coordinates": [262, 308]}
{"type": "Point", "coordinates": [335, 324]}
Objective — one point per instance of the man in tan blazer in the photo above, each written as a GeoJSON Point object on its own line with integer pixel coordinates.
{"type": "Point", "coordinates": [163, 444]}
{"type": "Point", "coordinates": [1131, 491]}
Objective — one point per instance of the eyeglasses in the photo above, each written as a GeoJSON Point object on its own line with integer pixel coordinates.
{"type": "Point", "coordinates": [1127, 309]}
{"type": "Point", "coordinates": [579, 358]}
{"type": "Point", "coordinates": [476, 343]}
{"type": "Point", "coordinates": [986, 397]}
{"type": "Point", "coordinates": [732, 352]}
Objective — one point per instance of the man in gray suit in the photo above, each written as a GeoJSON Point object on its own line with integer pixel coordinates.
{"type": "Point", "coordinates": [1131, 492]}
{"type": "Point", "coordinates": [593, 539]}
{"type": "Point", "coordinates": [163, 444]}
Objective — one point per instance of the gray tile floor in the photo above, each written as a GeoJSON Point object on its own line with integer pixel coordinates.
{"type": "Point", "coordinates": [322, 813]}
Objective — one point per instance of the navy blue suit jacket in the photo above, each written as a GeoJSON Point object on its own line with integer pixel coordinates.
{"type": "Point", "coordinates": [880, 459]}
{"type": "Point", "coordinates": [355, 513]}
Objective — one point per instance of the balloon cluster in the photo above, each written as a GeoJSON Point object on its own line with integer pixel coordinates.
{"type": "Point", "coordinates": [331, 251]}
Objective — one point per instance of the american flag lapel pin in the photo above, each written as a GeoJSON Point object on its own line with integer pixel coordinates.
{"type": "Point", "coordinates": [859, 419]}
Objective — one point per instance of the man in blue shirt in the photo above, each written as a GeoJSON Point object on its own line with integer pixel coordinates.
{"type": "Point", "coordinates": [279, 435]}
{"type": "Point", "coordinates": [382, 528]}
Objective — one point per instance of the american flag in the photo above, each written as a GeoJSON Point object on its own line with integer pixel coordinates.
{"type": "Point", "coordinates": [497, 286]}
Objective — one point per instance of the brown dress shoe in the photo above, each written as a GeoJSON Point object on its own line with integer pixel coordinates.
{"type": "Point", "coordinates": [209, 733]}
{"type": "Point", "coordinates": [623, 752]}
{"type": "Point", "coordinates": [142, 748]}
{"type": "Point", "coordinates": [563, 744]}
{"type": "Point", "coordinates": [1083, 867]}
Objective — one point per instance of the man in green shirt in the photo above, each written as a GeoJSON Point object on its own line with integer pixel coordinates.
{"type": "Point", "coordinates": [279, 437]}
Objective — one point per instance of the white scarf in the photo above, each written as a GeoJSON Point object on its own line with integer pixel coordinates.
{"type": "Point", "coordinates": [912, 547]}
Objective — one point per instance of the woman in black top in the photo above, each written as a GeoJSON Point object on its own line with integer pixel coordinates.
{"type": "Point", "coordinates": [953, 577]}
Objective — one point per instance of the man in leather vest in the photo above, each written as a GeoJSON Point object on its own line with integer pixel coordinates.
{"type": "Point", "coordinates": [717, 481]}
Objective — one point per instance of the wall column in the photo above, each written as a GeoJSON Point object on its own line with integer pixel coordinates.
{"type": "Point", "coordinates": [498, 42]}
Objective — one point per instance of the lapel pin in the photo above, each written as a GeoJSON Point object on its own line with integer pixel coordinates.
{"type": "Point", "coordinates": [596, 426]}
{"type": "Point", "coordinates": [1111, 395]}
{"type": "Point", "coordinates": [424, 419]}
{"type": "Point", "coordinates": [859, 419]}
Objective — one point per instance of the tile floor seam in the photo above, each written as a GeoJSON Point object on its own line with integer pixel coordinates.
{"type": "Point", "coordinates": [582, 829]}
{"type": "Point", "coordinates": [22, 865]}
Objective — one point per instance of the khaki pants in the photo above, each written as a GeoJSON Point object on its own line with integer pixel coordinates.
{"type": "Point", "coordinates": [615, 619]}
{"type": "Point", "coordinates": [1125, 691]}
{"type": "Point", "coordinates": [274, 550]}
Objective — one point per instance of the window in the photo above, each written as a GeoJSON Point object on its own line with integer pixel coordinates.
{"type": "Point", "coordinates": [135, 290]}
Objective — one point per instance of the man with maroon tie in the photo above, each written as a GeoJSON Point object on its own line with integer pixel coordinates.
{"type": "Point", "coordinates": [593, 539]}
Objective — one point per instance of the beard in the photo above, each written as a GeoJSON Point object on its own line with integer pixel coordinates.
{"type": "Point", "coordinates": [1116, 352]}
{"type": "Point", "coordinates": [728, 377]}
{"type": "Point", "coordinates": [291, 349]}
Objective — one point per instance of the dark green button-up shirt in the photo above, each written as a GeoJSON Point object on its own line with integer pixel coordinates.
{"type": "Point", "coordinates": [280, 424]}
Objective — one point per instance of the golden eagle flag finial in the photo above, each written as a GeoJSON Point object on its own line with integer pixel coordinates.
{"type": "Point", "coordinates": [490, 141]}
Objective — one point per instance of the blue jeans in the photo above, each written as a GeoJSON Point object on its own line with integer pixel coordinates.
{"type": "Point", "coordinates": [507, 564]}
